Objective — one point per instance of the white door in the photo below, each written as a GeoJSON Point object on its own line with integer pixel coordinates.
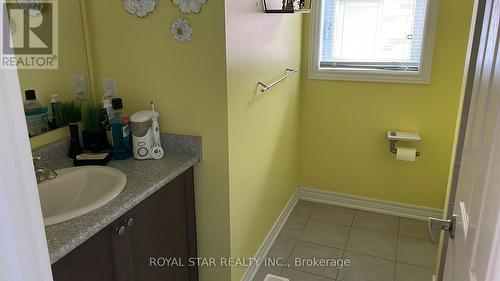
{"type": "Point", "coordinates": [474, 253]}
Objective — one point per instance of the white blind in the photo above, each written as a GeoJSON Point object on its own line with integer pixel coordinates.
{"type": "Point", "coordinates": [380, 34]}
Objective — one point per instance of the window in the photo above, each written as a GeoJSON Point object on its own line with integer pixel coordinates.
{"type": "Point", "coordinates": [372, 40]}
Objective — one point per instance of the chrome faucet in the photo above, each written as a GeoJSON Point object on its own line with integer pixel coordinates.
{"type": "Point", "coordinates": [42, 174]}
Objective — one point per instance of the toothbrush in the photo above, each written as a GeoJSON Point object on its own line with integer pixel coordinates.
{"type": "Point", "coordinates": [156, 129]}
{"type": "Point", "coordinates": [157, 151]}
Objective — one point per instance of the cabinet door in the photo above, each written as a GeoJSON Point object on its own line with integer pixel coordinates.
{"type": "Point", "coordinates": [93, 260]}
{"type": "Point", "coordinates": [163, 228]}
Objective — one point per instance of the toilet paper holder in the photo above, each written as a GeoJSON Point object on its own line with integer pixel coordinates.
{"type": "Point", "coordinates": [395, 136]}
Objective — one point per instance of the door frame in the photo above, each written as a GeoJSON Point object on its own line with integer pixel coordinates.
{"type": "Point", "coordinates": [467, 90]}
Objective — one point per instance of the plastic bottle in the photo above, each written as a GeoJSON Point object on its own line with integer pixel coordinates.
{"type": "Point", "coordinates": [120, 131]}
{"type": "Point", "coordinates": [36, 114]}
{"type": "Point", "coordinates": [31, 102]}
{"type": "Point", "coordinates": [107, 108]}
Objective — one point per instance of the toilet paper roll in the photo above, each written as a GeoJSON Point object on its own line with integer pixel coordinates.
{"type": "Point", "coordinates": [406, 154]}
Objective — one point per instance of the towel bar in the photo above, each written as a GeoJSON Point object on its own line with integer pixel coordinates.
{"type": "Point", "coordinates": [265, 87]}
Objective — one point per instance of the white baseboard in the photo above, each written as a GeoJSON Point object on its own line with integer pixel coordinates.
{"type": "Point", "coordinates": [369, 204]}
{"type": "Point", "coordinates": [271, 237]}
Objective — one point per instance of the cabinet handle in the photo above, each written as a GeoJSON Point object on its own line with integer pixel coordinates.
{"type": "Point", "coordinates": [129, 222]}
{"type": "Point", "coordinates": [121, 230]}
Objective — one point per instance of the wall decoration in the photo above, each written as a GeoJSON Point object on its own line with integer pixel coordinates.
{"type": "Point", "coordinates": [140, 8]}
{"type": "Point", "coordinates": [181, 30]}
{"type": "Point", "coordinates": [189, 6]}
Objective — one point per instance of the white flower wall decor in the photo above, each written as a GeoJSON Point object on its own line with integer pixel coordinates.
{"type": "Point", "coordinates": [189, 6]}
{"type": "Point", "coordinates": [140, 8]}
{"type": "Point", "coordinates": [181, 30]}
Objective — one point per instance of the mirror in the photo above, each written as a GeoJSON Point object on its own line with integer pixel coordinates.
{"type": "Point", "coordinates": [43, 90]}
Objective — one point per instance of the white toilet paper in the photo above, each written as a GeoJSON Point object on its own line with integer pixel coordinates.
{"type": "Point", "coordinates": [406, 154]}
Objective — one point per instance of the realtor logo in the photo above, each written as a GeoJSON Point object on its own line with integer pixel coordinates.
{"type": "Point", "coordinates": [30, 35]}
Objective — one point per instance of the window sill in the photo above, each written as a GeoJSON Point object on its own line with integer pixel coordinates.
{"type": "Point", "coordinates": [383, 76]}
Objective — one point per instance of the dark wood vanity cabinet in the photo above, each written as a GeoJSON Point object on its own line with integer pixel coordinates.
{"type": "Point", "coordinates": [139, 245]}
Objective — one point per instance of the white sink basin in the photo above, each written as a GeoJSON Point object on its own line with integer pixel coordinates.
{"type": "Point", "coordinates": [77, 191]}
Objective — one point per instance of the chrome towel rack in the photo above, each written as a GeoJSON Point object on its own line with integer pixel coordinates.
{"type": "Point", "coordinates": [288, 73]}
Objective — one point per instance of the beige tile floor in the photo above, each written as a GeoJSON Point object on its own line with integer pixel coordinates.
{"type": "Point", "coordinates": [379, 247]}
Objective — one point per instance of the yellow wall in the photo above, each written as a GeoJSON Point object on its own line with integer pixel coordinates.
{"type": "Point", "coordinates": [343, 124]}
{"type": "Point", "coordinates": [263, 129]}
{"type": "Point", "coordinates": [72, 61]}
{"type": "Point", "coordinates": [188, 84]}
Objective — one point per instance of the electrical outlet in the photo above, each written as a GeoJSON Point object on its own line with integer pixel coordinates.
{"type": "Point", "coordinates": [110, 87]}
{"type": "Point", "coordinates": [79, 87]}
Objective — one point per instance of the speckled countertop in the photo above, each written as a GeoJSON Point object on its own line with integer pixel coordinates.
{"type": "Point", "coordinates": [143, 179]}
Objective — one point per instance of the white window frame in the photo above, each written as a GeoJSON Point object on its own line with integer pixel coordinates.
{"type": "Point", "coordinates": [373, 75]}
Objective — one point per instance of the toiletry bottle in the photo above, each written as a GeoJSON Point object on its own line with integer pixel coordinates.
{"type": "Point", "coordinates": [36, 114]}
{"type": "Point", "coordinates": [120, 130]}
{"type": "Point", "coordinates": [74, 147]}
{"type": "Point", "coordinates": [117, 105]}
{"type": "Point", "coordinates": [31, 101]}
{"type": "Point", "coordinates": [107, 109]}
{"type": "Point", "coordinates": [54, 102]}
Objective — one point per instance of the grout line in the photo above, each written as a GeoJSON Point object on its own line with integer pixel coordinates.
{"type": "Point", "coordinates": [280, 268]}
{"type": "Point", "coordinates": [418, 239]}
{"type": "Point", "coordinates": [307, 220]}
{"type": "Point", "coordinates": [298, 238]}
{"type": "Point", "coordinates": [317, 244]}
{"type": "Point", "coordinates": [372, 256]}
{"type": "Point", "coordinates": [329, 222]}
{"type": "Point", "coordinates": [420, 266]}
{"type": "Point", "coordinates": [339, 269]}
{"type": "Point", "coordinates": [387, 259]}
{"type": "Point", "coordinates": [323, 220]}
{"type": "Point", "coordinates": [379, 232]}
{"type": "Point", "coordinates": [288, 256]}
{"type": "Point", "coordinates": [397, 249]}
{"type": "Point", "coordinates": [315, 274]}
{"type": "Point", "coordinates": [346, 242]}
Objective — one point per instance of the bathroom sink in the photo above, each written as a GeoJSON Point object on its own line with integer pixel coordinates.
{"type": "Point", "coordinates": [77, 191]}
